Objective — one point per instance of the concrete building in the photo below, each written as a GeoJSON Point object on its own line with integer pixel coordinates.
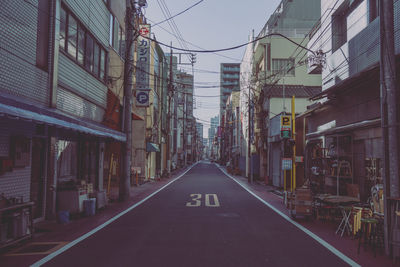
{"type": "Point", "coordinates": [278, 72]}
{"type": "Point", "coordinates": [184, 92]}
{"type": "Point", "coordinates": [229, 82]}
{"type": "Point", "coordinates": [353, 57]}
{"type": "Point", "coordinates": [54, 80]}
{"type": "Point", "coordinates": [347, 123]}
{"type": "Point", "coordinates": [212, 135]}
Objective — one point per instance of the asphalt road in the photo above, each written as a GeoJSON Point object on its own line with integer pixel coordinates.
{"type": "Point", "coordinates": [202, 219]}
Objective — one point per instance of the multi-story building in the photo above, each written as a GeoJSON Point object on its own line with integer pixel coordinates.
{"type": "Point", "coordinates": [229, 82]}
{"type": "Point", "coordinates": [212, 131]}
{"type": "Point", "coordinates": [348, 120]}
{"type": "Point", "coordinates": [199, 147]}
{"type": "Point", "coordinates": [279, 72]}
{"type": "Point", "coordinates": [184, 93]}
{"type": "Point", "coordinates": [232, 128]}
{"type": "Point", "coordinates": [54, 80]}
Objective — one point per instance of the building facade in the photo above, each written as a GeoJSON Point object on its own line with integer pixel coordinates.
{"type": "Point", "coordinates": [54, 99]}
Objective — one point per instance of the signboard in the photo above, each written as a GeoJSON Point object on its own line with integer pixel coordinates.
{"type": "Point", "coordinates": [142, 98]}
{"type": "Point", "coordinates": [299, 159]}
{"type": "Point", "coordinates": [286, 121]}
{"type": "Point", "coordinates": [286, 164]}
{"type": "Point", "coordinates": [143, 58]}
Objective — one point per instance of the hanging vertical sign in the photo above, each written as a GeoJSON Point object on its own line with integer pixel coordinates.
{"type": "Point", "coordinates": [143, 58]}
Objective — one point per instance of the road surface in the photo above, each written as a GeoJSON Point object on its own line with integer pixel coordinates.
{"type": "Point", "coordinates": [202, 219]}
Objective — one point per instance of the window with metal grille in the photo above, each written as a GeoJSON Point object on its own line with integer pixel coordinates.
{"type": "Point", "coordinates": [283, 66]}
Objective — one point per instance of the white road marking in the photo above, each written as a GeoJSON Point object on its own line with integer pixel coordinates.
{"type": "Point", "coordinates": [305, 230]}
{"type": "Point", "coordinates": [98, 228]}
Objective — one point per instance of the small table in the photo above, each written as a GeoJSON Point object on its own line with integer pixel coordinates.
{"type": "Point", "coordinates": [345, 223]}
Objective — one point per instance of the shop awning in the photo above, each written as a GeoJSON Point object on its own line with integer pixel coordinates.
{"type": "Point", "coordinates": [151, 147]}
{"type": "Point", "coordinates": [349, 127]}
{"type": "Point", "coordinates": [50, 117]}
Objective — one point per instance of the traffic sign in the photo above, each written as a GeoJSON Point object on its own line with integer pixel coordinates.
{"type": "Point", "coordinates": [142, 98]}
{"type": "Point", "coordinates": [286, 121]}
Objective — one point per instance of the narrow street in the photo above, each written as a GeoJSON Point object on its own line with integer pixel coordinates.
{"type": "Point", "coordinates": [202, 219]}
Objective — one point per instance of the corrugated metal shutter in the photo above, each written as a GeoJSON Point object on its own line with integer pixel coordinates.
{"type": "Point", "coordinates": [16, 183]}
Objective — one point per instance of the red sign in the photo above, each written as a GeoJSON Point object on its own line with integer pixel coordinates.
{"type": "Point", "coordinates": [144, 31]}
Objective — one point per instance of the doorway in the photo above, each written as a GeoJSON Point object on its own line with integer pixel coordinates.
{"type": "Point", "coordinates": [38, 177]}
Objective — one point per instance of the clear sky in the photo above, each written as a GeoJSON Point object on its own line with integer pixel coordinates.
{"type": "Point", "coordinates": [212, 24]}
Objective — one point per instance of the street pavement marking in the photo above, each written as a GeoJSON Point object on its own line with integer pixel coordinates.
{"type": "Point", "coordinates": [305, 230]}
{"type": "Point", "coordinates": [216, 201]}
{"type": "Point", "coordinates": [98, 228]}
{"type": "Point", "coordinates": [196, 198]}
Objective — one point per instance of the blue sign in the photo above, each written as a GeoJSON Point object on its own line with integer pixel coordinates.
{"type": "Point", "coordinates": [142, 98]}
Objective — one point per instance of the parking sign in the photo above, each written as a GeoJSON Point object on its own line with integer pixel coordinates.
{"type": "Point", "coordinates": [142, 98]}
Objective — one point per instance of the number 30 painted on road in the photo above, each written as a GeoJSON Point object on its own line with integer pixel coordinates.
{"type": "Point", "coordinates": [196, 200]}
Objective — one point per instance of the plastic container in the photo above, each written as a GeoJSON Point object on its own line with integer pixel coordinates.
{"type": "Point", "coordinates": [63, 216]}
{"type": "Point", "coordinates": [90, 206]}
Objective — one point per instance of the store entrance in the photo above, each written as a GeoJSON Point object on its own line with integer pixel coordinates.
{"type": "Point", "coordinates": [38, 177]}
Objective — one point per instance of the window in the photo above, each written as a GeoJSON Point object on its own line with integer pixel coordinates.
{"type": "Point", "coordinates": [102, 64]}
{"type": "Point", "coordinates": [80, 44]}
{"type": "Point", "coordinates": [63, 27]}
{"type": "Point", "coordinates": [117, 36]}
{"type": "Point", "coordinates": [89, 53]}
{"type": "Point", "coordinates": [72, 36]}
{"type": "Point", "coordinates": [67, 160]}
{"type": "Point", "coordinates": [283, 66]}
{"type": "Point", "coordinates": [339, 30]}
{"type": "Point", "coordinates": [96, 59]}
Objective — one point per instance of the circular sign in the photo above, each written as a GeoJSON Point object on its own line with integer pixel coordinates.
{"type": "Point", "coordinates": [142, 97]}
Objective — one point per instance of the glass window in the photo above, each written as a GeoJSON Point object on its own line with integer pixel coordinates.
{"type": "Point", "coordinates": [63, 27]}
{"type": "Point", "coordinates": [122, 43]}
{"type": "Point", "coordinates": [102, 64]}
{"type": "Point", "coordinates": [283, 66]}
{"type": "Point", "coordinates": [116, 35]}
{"type": "Point", "coordinates": [111, 29]}
{"type": "Point", "coordinates": [96, 59]}
{"type": "Point", "coordinates": [67, 160]}
{"type": "Point", "coordinates": [89, 53]}
{"type": "Point", "coordinates": [72, 36]}
{"type": "Point", "coordinates": [81, 44]}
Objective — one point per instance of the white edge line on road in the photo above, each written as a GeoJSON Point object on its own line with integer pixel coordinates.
{"type": "Point", "coordinates": [98, 228]}
{"type": "Point", "coordinates": [305, 230]}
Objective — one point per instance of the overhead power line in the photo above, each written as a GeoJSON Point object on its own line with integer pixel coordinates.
{"type": "Point", "coordinates": [230, 48]}
{"type": "Point", "coordinates": [178, 13]}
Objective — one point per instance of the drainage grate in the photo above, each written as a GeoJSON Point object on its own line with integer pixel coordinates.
{"type": "Point", "coordinates": [37, 248]}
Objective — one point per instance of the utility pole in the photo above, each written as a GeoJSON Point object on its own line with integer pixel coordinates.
{"type": "Point", "coordinates": [170, 93]}
{"type": "Point", "coordinates": [184, 129]}
{"type": "Point", "coordinates": [389, 117]}
{"type": "Point", "coordinates": [249, 178]}
{"type": "Point", "coordinates": [124, 182]}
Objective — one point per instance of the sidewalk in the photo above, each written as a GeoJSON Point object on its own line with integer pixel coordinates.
{"type": "Point", "coordinates": [324, 229]}
{"type": "Point", "coordinates": [50, 235]}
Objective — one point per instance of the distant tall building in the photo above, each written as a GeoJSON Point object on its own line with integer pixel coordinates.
{"type": "Point", "coordinates": [212, 131]}
{"type": "Point", "coordinates": [199, 129]}
{"type": "Point", "coordinates": [229, 82]}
